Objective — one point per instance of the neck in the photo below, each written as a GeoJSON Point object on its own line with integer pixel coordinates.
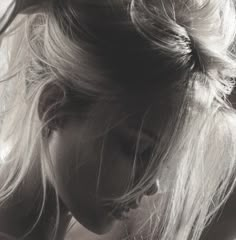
{"type": "Point", "coordinates": [20, 212]}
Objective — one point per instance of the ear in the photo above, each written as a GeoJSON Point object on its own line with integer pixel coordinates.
{"type": "Point", "coordinates": [50, 106]}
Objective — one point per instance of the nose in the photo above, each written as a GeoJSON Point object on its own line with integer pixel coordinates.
{"type": "Point", "coordinates": [152, 190]}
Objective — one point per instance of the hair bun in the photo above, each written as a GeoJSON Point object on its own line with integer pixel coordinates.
{"type": "Point", "coordinates": [194, 34]}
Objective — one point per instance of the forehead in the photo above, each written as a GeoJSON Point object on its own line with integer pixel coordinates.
{"type": "Point", "coordinates": [149, 115]}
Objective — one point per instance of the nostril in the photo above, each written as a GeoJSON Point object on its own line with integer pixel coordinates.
{"type": "Point", "coordinates": [152, 190]}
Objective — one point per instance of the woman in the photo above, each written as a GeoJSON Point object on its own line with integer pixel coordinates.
{"type": "Point", "coordinates": [102, 100]}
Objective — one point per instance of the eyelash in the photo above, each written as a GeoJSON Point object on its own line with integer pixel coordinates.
{"type": "Point", "coordinates": [143, 153]}
{"type": "Point", "coordinates": [145, 156]}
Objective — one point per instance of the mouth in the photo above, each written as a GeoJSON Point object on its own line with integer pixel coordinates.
{"type": "Point", "coordinates": [123, 212]}
{"type": "Point", "coordinates": [134, 204]}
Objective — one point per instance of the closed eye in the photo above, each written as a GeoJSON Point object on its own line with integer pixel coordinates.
{"type": "Point", "coordinates": [137, 147]}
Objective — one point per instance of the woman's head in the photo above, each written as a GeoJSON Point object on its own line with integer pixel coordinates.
{"type": "Point", "coordinates": [98, 91]}
{"type": "Point", "coordinates": [91, 82]}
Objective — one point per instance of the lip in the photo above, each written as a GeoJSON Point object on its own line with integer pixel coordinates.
{"type": "Point", "coordinates": [121, 214]}
{"type": "Point", "coordinates": [134, 205]}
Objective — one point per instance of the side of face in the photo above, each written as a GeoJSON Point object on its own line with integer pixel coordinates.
{"type": "Point", "coordinates": [91, 165]}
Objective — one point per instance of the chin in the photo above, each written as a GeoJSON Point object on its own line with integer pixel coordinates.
{"type": "Point", "coordinates": [98, 226]}
{"type": "Point", "coordinates": [101, 229]}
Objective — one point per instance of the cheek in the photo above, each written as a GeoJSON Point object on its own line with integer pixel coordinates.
{"type": "Point", "coordinates": [76, 182]}
{"type": "Point", "coordinates": [85, 177]}
{"type": "Point", "coordinates": [87, 170]}
{"type": "Point", "coordinates": [72, 165]}
{"type": "Point", "coordinates": [115, 171]}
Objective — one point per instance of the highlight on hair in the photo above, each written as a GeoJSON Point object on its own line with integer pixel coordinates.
{"type": "Point", "coordinates": [185, 47]}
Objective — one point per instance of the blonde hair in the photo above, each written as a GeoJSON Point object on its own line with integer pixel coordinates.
{"type": "Point", "coordinates": [190, 47]}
